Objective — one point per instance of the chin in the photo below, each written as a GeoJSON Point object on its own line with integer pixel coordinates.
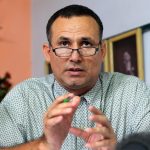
{"type": "Point", "coordinates": [75, 85]}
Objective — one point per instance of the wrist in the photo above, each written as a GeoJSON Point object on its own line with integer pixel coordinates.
{"type": "Point", "coordinates": [44, 145]}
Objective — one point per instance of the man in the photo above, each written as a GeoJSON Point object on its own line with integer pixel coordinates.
{"type": "Point", "coordinates": [75, 107]}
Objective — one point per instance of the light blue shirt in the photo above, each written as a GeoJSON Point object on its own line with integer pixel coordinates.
{"type": "Point", "coordinates": [125, 100]}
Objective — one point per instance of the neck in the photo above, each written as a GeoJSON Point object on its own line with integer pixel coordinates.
{"type": "Point", "coordinates": [79, 90]}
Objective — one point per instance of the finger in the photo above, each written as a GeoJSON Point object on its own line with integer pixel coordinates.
{"type": "Point", "coordinates": [107, 144]}
{"type": "Point", "coordinates": [62, 106]}
{"type": "Point", "coordinates": [59, 102]}
{"type": "Point", "coordinates": [100, 119]}
{"type": "Point", "coordinates": [60, 99]}
{"type": "Point", "coordinates": [58, 112]}
{"type": "Point", "coordinates": [75, 101]}
{"type": "Point", "coordinates": [79, 133]}
{"type": "Point", "coordinates": [95, 111]}
{"type": "Point", "coordinates": [57, 107]}
{"type": "Point", "coordinates": [48, 123]}
{"type": "Point", "coordinates": [105, 132]}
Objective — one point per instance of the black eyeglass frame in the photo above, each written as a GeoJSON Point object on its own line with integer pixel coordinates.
{"type": "Point", "coordinates": [78, 50]}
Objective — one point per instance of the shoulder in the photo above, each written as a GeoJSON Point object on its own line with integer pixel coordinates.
{"type": "Point", "coordinates": [33, 83]}
{"type": "Point", "coordinates": [121, 83]}
{"type": "Point", "coordinates": [29, 89]}
{"type": "Point", "coordinates": [117, 79]}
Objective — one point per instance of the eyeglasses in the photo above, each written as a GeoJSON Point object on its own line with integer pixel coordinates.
{"type": "Point", "coordinates": [83, 51]}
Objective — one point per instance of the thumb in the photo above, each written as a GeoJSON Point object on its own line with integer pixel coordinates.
{"type": "Point", "coordinates": [80, 133]}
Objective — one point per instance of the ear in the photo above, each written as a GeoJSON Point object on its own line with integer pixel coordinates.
{"type": "Point", "coordinates": [46, 52]}
{"type": "Point", "coordinates": [103, 50]}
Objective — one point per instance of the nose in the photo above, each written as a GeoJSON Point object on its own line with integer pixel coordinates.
{"type": "Point", "coordinates": [75, 56]}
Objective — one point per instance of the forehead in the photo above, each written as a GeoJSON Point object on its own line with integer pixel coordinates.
{"type": "Point", "coordinates": [83, 26]}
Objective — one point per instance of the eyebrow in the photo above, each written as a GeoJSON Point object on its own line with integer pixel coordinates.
{"type": "Point", "coordinates": [63, 38]}
{"type": "Point", "coordinates": [87, 39]}
{"type": "Point", "coordinates": [82, 39]}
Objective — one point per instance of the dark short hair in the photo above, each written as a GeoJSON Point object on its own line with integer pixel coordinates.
{"type": "Point", "coordinates": [71, 11]}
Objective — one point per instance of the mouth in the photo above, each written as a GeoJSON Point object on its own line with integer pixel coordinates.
{"type": "Point", "coordinates": [75, 71]}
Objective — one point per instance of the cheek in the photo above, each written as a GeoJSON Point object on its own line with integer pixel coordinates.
{"type": "Point", "coordinates": [94, 66]}
{"type": "Point", "coordinates": [54, 68]}
{"type": "Point", "coordinates": [55, 65]}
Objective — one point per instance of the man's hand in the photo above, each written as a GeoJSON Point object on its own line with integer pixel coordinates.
{"type": "Point", "coordinates": [57, 121]}
{"type": "Point", "coordinates": [102, 136]}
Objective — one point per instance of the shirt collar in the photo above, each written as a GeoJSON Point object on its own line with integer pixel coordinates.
{"type": "Point", "coordinates": [94, 93]}
{"type": "Point", "coordinates": [90, 96]}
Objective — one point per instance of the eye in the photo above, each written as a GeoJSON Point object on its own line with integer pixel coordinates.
{"type": "Point", "coordinates": [64, 43]}
{"type": "Point", "coordinates": [86, 44]}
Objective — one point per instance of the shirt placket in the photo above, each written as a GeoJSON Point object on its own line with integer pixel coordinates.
{"type": "Point", "coordinates": [81, 121]}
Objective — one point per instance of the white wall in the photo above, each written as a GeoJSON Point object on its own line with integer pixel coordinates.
{"type": "Point", "coordinates": [146, 45]}
{"type": "Point", "coordinates": [117, 16]}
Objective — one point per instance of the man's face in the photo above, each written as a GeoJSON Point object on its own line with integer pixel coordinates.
{"type": "Point", "coordinates": [75, 73]}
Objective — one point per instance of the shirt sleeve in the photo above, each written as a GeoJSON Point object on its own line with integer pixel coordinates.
{"type": "Point", "coordinates": [12, 118]}
{"type": "Point", "coordinates": [141, 109]}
